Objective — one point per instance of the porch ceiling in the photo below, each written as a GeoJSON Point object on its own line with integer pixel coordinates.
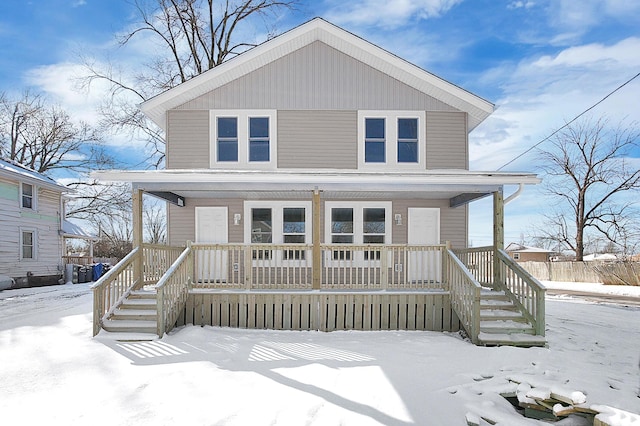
{"type": "Point", "coordinates": [439, 184]}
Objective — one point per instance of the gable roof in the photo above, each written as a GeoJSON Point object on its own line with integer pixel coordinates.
{"type": "Point", "coordinates": [13, 170]}
{"type": "Point", "coordinates": [319, 30]}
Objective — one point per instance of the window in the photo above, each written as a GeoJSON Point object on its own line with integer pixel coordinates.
{"type": "Point", "coordinates": [407, 140]}
{"type": "Point", "coordinates": [258, 138]}
{"type": "Point", "coordinates": [373, 230]}
{"type": "Point", "coordinates": [392, 140]}
{"type": "Point", "coordinates": [516, 256]}
{"type": "Point", "coordinates": [278, 222]}
{"type": "Point", "coordinates": [342, 231]}
{"type": "Point", "coordinates": [261, 231]}
{"type": "Point", "coordinates": [27, 196]}
{"type": "Point", "coordinates": [374, 142]}
{"type": "Point", "coordinates": [227, 138]}
{"type": "Point", "coordinates": [243, 139]}
{"type": "Point", "coordinates": [293, 231]}
{"type": "Point", "coordinates": [357, 223]}
{"type": "Point", "coordinates": [27, 245]}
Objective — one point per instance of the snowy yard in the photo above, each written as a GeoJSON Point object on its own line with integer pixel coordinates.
{"type": "Point", "coordinates": [53, 373]}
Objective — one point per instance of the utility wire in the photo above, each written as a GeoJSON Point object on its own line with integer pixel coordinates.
{"type": "Point", "coordinates": [575, 118]}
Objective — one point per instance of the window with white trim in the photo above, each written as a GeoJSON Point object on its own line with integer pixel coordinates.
{"type": "Point", "coordinates": [27, 244]}
{"type": "Point", "coordinates": [27, 196]}
{"type": "Point", "coordinates": [244, 139]}
{"type": "Point", "coordinates": [358, 223]}
{"type": "Point", "coordinates": [392, 140]}
{"type": "Point", "coordinates": [278, 222]}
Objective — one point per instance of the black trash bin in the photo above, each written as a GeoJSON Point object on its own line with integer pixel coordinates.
{"type": "Point", "coordinates": [83, 274]}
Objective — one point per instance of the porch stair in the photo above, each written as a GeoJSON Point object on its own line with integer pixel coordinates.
{"type": "Point", "coordinates": [502, 323]}
{"type": "Point", "coordinates": [136, 314]}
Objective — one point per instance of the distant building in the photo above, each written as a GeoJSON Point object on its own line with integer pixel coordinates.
{"type": "Point", "coordinates": [522, 253]}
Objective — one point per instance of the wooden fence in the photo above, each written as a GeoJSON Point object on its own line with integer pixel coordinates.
{"type": "Point", "coordinates": [613, 273]}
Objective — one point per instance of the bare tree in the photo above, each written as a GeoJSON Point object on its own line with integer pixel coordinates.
{"type": "Point", "coordinates": [593, 181]}
{"type": "Point", "coordinates": [194, 36]}
{"type": "Point", "coordinates": [154, 221]}
{"type": "Point", "coordinates": [44, 137]}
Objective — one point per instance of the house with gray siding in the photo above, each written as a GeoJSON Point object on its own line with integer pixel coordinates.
{"type": "Point", "coordinates": [31, 245]}
{"type": "Point", "coordinates": [318, 181]}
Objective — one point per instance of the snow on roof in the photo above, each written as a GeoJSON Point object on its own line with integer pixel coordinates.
{"type": "Point", "coordinates": [520, 248]}
{"type": "Point", "coordinates": [71, 229]}
{"type": "Point", "coordinates": [18, 171]}
{"type": "Point", "coordinates": [599, 256]}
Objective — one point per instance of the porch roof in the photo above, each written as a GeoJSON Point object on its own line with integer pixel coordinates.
{"type": "Point", "coordinates": [439, 184]}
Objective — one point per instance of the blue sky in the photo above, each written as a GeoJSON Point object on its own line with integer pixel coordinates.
{"type": "Point", "coordinates": [540, 61]}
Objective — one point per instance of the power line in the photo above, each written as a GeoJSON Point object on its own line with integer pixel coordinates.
{"type": "Point", "coordinates": [574, 119]}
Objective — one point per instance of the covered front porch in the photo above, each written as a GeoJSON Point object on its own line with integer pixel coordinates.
{"type": "Point", "coordinates": [321, 284]}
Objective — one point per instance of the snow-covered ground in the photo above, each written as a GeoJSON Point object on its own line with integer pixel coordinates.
{"type": "Point", "coordinates": [53, 373]}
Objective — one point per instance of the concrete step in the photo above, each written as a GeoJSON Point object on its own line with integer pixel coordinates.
{"type": "Point", "coordinates": [129, 326]}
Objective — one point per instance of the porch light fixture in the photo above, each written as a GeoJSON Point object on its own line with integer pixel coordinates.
{"type": "Point", "coordinates": [398, 218]}
{"type": "Point", "coordinates": [236, 218]}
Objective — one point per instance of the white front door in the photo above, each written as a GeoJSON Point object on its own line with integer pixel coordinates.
{"type": "Point", "coordinates": [211, 228]}
{"type": "Point", "coordinates": [424, 230]}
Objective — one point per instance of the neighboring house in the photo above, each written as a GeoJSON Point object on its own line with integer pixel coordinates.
{"type": "Point", "coordinates": [522, 253]}
{"type": "Point", "coordinates": [31, 242]}
{"type": "Point", "coordinates": [313, 163]}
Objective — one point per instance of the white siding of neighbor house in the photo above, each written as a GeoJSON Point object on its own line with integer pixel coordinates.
{"type": "Point", "coordinates": [44, 221]}
{"type": "Point", "coordinates": [317, 77]}
{"type": "Point", "coordinates": [453, 222]}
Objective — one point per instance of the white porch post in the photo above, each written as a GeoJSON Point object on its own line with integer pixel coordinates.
{"type": "Point", "coordinates": [498, 234]}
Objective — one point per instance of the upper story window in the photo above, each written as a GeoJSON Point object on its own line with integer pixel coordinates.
{"type": "Point", "coordinates": [243, 139]}
{"type": "Point", "coordinates": [27, 196]}
{"type": "Point", "coordinates": [392, 140]}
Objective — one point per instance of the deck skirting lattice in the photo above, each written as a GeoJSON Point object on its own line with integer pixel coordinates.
{"type": "Point", "coordinates": [321, 311]}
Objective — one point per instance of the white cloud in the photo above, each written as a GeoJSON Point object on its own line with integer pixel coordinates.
{"type": "Point", "coordinates": [388, 13]}
{"type": "Point", "coordinates": [521, 4]}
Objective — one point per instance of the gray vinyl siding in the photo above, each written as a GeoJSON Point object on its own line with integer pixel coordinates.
{"type": "Point", "coordinates": [188, 139]}
{"type": "Point", "coordinates": [44, 222]}
{"type": "Point", "coordinates": [317, 139]}
{"type": "Point", "coordinates": [317, 77]}
{"type": "Point", "coordinates": [182, 220]}
{"type": "Point", "coordinates": [447, 145]}
{"type": "Point", "coordinates": [453, 222]}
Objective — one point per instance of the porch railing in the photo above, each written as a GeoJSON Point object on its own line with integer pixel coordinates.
{"type": "Point", "coordinates": [172, 291]}
{"type": "Point", "coordinates": [496, 269]}
{"type": "Point", "coordinates": [465, 294]}
{"type": "Point", "coordinates": [290, 266]}
{"type": "Point", "coordinates": [113, 287]}
{"type": "Point", "coordinates": [142, 266]}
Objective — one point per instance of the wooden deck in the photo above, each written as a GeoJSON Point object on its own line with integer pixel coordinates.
{"type": "Point", "coordinates": [356, 288]}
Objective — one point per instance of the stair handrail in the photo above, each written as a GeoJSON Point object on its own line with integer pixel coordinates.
{"type": "Point", "coordinates": [172, 291]}
{"type": "Point", "coordinates": [525, 290]}
{"type": "Point", "coordinates": [113, 287]}
{"type": "Point", "coordinates": [465, 292]}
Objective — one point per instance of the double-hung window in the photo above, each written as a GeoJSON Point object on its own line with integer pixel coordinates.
{"type": "Point", "coordinates": [392, 140]}
{"type": "Point", "coordinates": [227, 142]}
{"type": "Point", "coordinates": [261, 231]}
{"type": "Point", "coordinates": [374, 142]}
{"type": "Point", "coordinates": [27, 196]}
{"type": "Point", "coordinates": [407, 140]}
{"type": "Point", "coordinates": [342, 230]}
{"type": "Point", "coordinates": [27, 244]}
{"type": "Point", "coordinates": [243, 139]}
{"type": "Point", "coordinates": [294, 230]}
